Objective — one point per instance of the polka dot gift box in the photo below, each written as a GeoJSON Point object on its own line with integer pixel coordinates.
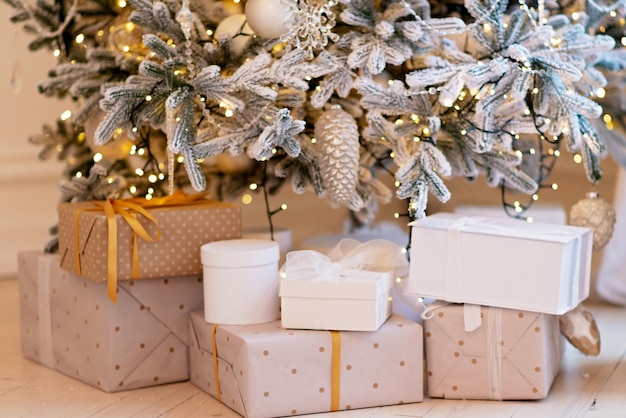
{"type": "Point", "coordinates": [69, 324]}
{"type": "Point", "coordinates": [264, 370]}
{"type": "Point", "coordinates": [172, 237]}
{"type": "Point", "coordinates": [479, 352]}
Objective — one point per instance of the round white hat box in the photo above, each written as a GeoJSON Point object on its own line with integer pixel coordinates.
{"type": "Point", "coordinates": [240, 281]}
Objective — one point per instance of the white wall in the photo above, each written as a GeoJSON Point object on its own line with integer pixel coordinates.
{"type": "Point", "coordinates": [28, 193]}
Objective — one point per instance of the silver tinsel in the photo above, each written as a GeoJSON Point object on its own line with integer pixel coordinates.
{"type": "Point", "coordinates": [338, 153]}
{"type": "Point", "coordinates": [595, 213]}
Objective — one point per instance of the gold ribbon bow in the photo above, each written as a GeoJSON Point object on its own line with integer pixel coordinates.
{"type": "Point", "coordinates": [129, 209]}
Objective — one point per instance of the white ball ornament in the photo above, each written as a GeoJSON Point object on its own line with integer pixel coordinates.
{"type": "Point", "coordinates": [267, 17]}
{"type": "Point", "coordinates": [236, 28]}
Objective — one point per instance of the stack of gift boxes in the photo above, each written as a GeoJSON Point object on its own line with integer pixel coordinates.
{"type": "Point", "coordinates": [150, 293]}
{"type": "Point", "coordinates": [500, 286]}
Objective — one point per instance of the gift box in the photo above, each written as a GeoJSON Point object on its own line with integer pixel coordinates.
{"type": "Point", "coordinates": [265, 370]}
{"type": "Point", "coordinates": [347, 290]}
{"type": "Point", "coordinates": [359, 302]}
{"type": "Point", "coordinates": [500, 262]}
{"type": "Point", "coordinates": [142, 238]}
{"type": "Point", "coordinates": [511, 354]}
{"type": "Point", "coordinates": [241, 281]}
{"type": "Point", "coordinates": [68, 324]}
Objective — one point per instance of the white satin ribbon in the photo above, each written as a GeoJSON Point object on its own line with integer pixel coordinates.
{"type": "Point", "coordinates": [348, 257]}
{"type": "Point", "coordinates": [472, 321]}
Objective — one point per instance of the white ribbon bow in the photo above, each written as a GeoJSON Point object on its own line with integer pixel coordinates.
{"type": "Point", "coordinates": [349, 255]}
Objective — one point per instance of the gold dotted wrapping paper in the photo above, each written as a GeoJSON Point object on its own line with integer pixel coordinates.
{"type": "Point", "coordinates": [184, 229]}
{"type": "Point", "coordinates": [268, 371]}
{"type": "Point", "coordinates": [457, 362]}
{"type": "Point", "coordinates": [140, 341]}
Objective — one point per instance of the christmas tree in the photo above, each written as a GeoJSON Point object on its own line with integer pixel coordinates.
{"type": "Point", "coordinates": [329, 96]}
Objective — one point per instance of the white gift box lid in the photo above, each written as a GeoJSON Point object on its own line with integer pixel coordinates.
{"type": "Point", "coordinates": [240, 253]}
{"type": "Point", "coordinates": [358, 285]}
{"type": "Point", "coordinates": [500, 262]}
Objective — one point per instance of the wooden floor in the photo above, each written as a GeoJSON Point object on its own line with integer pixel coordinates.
{"type": "Point", "coordinates": [593, 387]}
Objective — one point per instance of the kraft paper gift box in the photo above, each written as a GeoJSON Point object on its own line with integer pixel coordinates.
{"type": "Point", "coordinates": [69, 324]}
{"type": "Point", "coordinates": [265, 370]}
{"type": "Point", "coordinates": [500, 262]}
{"type": "Point", "coordinates": [512, 354]}
{"type": "Point", "coordinates": [85, 244]}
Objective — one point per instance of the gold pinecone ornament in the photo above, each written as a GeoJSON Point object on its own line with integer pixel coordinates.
{"type": "Point", "coordinates": [338, 149]}
{"type": "Point", "coordinates": [597, 214]}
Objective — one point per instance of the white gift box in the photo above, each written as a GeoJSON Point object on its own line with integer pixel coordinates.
{"type": "Point", "coordinates": [500, 262]}
{"type": "Point", "coordinates": [240, 281]}
{"type": "Point", "coordinates": [358, 301]}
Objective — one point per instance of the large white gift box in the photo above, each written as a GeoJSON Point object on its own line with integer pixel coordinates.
{"type": "Point", "coordinates": [500, 262]}
{"type": "Point", "coordinates": [348, 290]}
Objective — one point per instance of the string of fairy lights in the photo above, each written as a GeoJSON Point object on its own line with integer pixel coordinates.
{"type": "Point", "coordinates": [126, 38]}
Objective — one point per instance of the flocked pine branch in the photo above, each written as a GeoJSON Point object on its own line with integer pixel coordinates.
{"type": "Point", "coordinates": [430, 100]}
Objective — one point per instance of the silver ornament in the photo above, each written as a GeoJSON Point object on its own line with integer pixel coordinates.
{"type": "Point", "coordinates": [338, 146]}
{"type": "Point", "coordinates": [595, 213]}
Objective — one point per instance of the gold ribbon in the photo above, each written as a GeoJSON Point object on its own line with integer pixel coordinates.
{"type": "Point", "coordinates": [218, 389]}
{"type": "Point", "coordinates": [335, 371]}
{"type": "Point", "coordinates": [129, 209]}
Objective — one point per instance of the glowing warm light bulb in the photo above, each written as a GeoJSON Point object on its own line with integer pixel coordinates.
{"type": "Point", "coordinates": [253, 186]}
{"type": "Point", "coordinates": [152, 178]}
{"type": "Point", "coordinates": [80, 38]}
{"type": "Point", "coordinates": [132, 189]}
{"type": "Point", "coordinates": [66, 115]}
{"type": "Point", "coordinates": [246, 199]}
{"type": "Point", "coordinates": [139, 172]}
{"type": "Point", "coordinates": [283, 206]}
{"type": "Point", "coordinates": [97, 157]}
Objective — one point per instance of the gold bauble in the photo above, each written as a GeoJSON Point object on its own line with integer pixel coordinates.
{"type": "Point", "coordinates": [597, 214]}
